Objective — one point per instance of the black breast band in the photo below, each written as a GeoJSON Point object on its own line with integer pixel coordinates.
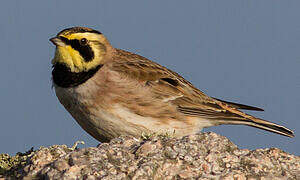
{"type": "Point", "coordinates": [63, 77]}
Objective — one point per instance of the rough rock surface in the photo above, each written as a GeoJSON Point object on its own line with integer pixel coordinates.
{"type": "Point", "coordinates": [200, 156]}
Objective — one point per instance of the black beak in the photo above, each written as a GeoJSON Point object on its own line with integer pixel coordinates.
{"type": "Point", "coordinates": [57, 41]}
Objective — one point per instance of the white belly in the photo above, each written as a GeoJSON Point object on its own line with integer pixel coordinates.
{"type": "Point", "coordinates": [102, 123]}
{"type": "Point", "coordinates": [105, 120]}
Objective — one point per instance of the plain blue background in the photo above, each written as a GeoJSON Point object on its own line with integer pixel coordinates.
{"type": "Point", "coordinates": [244, 51]}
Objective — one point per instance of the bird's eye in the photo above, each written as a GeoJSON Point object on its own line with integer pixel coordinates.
{"type": "Point", "coordinates": [83, 41]}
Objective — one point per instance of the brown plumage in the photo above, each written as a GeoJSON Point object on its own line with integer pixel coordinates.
{"type": "Point", "coordinates": [130, 94]}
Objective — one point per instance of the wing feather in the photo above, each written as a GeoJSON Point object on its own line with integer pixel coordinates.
{"type": "Point", "coordinates": [169, 87]}
{"type": "Point", "coordinates": [241, 106]}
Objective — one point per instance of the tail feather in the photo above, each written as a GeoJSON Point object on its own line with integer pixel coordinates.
{"type": "Point", "coordinates": [261, 124]}
{"type": "Point", "coordinates": [255, 122]}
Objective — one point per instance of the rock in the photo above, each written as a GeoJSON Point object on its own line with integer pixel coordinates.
{"type": "Point", "coordinates": [200, 156]}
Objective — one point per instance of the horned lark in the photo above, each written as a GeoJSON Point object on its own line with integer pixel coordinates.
{"type": "Point", "coordinates": [112, 92]}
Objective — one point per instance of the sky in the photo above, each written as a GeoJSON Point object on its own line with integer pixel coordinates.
{"type": "Point", "coordinates": [236, 50]}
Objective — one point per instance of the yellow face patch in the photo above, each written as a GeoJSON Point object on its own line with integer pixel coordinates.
{"type": "Point", "coordinates": [73, 59]}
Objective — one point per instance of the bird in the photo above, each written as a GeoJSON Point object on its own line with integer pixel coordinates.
{"type": "Point", "coordinates": [112, 92]}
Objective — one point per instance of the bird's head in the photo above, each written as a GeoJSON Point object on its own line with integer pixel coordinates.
{"type": "Point", "coordinates": [80, 49]}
